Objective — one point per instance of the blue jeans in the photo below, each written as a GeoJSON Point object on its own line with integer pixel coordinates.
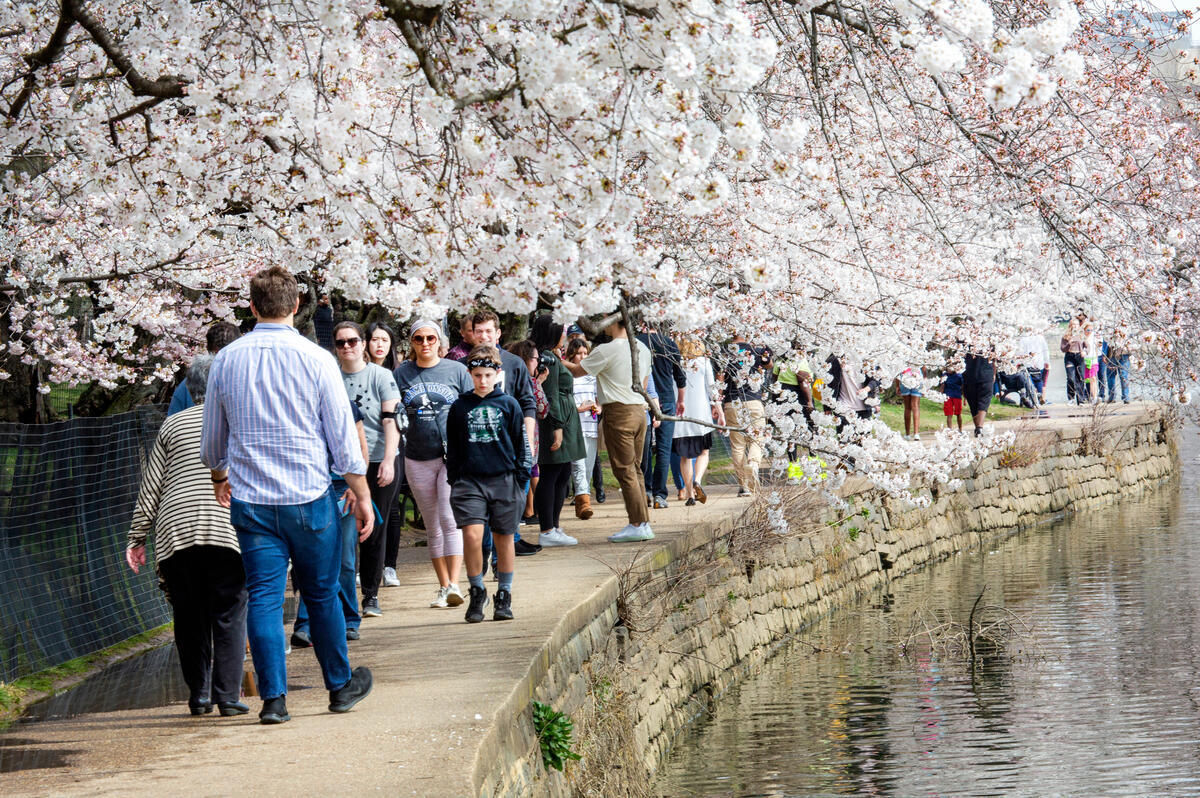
{"type": "Point", "coordinates": [346, 589]}
{"type": "Point", "coordinates": [676, 473]}
{"type": "Point", "coordinates": [1118, 366]}
{"type": "Point", "coordinates": [656, 477]}
{"type": "Point", "coordinates": [310, 536]}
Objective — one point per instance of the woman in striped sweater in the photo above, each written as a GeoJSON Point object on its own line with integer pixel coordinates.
{"type": "Point", "coordinates": [197, 557]}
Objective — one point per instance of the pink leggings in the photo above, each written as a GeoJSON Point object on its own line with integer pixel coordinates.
{"type": "Point", "coordinates": [427, 481]}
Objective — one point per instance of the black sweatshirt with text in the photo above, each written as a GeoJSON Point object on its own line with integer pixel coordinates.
{"type": "Point", "coordinates": [485, 436]}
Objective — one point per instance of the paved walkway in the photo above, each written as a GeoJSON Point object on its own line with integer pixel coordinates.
{"type": "Point", "coordinates": [438, 685]}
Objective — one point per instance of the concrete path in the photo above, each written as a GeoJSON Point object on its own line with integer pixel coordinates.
{"type": "Point", "coordinates": [438, 685]}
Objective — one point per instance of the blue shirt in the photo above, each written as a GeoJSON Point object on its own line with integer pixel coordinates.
{"type": "Point", "coordinates": [953, 386]}
{"type": "Point", "coordinates": [276, 416]}
{"type": "Point", "coordinates": [180, 400]}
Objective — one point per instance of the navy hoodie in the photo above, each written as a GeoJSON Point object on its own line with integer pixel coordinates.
{"type": "Point", "coordinates": [485, 436]}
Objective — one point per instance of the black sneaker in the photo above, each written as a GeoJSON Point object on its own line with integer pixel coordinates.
{"type": "Point", "coordinates": [530, 520]}
{"type": "Point", "coordinates": [503, 606]}
{"type": "Point", "coordinates": [477, 604]}
{"type": "Point", "coordinates": [344, 698]}
{"type": "Point", "coordinates": [524, 549]}
{"type": "Point", "coordinates": [274, 711]}
{"type": "Point", "coordinates": [300, 639]}
{"type": "Point", "coordinates": [601, 496]}
{"type": "Point", "coordinates": [370, 608]}
{"type": "Point", "coordinates": [743, 493]}
{"type": "Point", "coordinates": [231, 708]}
{"type": "Point", "coordinates": [352, 634]}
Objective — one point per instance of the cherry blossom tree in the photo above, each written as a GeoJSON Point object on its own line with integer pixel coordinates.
{"type": "Point", "coordinates": [857, 177]}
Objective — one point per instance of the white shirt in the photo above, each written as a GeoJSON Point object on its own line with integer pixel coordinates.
{"type": "Point", "coordinates": [1034, 354]}
{"type": "Point", "coordinates": [697, 397]}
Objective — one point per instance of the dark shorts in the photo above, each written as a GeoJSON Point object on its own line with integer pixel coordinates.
{"type": "Point", "coordinates": [497, 501]}
{"type": "Point", "coordinates": [978, 396]}
{"type": "Point", "coordinates": [692, 445]}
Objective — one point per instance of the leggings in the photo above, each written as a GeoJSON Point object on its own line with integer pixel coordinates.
{"type": "Point", "coordinates": [427, 481]}
{"type": "Point", "coordinates": [551, 493]}
{"type": "Point", "coordinates": [370, 551]}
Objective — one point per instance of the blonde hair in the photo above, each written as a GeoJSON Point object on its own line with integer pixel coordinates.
{"type": "Point", "coordinates": [689, 348]}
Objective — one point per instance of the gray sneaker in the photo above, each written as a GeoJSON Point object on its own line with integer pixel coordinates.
{"type": "Point", "coordinates": [370, 608]}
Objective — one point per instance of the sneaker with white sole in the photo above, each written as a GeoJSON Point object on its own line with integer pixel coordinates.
{"type": "Point", "coordinates": [454, 596]}
{"type": "Point", "coordinates": [556, 537]}
{"type": "Point", "coordinates": [632, 534]}
{"type": "Point", "coordinates": [439, 600]}
{"type": "Point", "coordinates": [389, 578]}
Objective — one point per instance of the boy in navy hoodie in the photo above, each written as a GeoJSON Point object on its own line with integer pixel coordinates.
{"type": "Point", "coordinates": [487, 466]}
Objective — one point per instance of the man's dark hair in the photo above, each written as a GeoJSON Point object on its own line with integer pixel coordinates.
{"type": "Point", "coordinates": [221, 335]}
{"type": "Point", "coordinates": [483, 317]}
{"type": "Point", "coordinates": [274, 292]}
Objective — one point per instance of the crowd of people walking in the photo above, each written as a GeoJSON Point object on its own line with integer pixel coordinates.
{"type": "Point", "coordinates": [283, 462]}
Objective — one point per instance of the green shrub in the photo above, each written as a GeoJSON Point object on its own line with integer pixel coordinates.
{"type": "Point", "coordinates": [554, 730]}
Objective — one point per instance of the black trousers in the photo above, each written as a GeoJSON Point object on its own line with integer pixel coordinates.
{"type": "Point", "coordinates": [371, 551]}
{"type": "Point", "coordinates": [1076, 383]}
{"type": "Point", "coordinates": [551, 493]}
{"type": "Point", "coordinates": [207, 589]}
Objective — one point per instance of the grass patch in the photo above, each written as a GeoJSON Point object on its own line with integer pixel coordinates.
{"type": "Point", "coordinates": [932, 418]}
{"type": "Point", "coordinates": [47, 681]}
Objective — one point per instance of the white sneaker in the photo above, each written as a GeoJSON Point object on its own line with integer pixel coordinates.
{"type": "Point", "coordinates": [454, 596]}
{"type": "Point", "coordinates": [389, 578]}
{"type": "Point", "coordinates": [632, 534]}
{"type": "Point", "coordinates": [556, 537]}
{"type": "Point", "coordinates": [440, 600]}
{"type": "Point", "coordinates": [916, 436]}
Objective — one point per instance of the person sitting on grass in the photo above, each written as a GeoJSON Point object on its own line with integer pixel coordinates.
{"type": "Point", "coordinates": [487, 465]}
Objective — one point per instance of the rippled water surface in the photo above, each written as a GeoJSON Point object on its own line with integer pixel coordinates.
{"type": "Point", "coordinates": [1114, 709]}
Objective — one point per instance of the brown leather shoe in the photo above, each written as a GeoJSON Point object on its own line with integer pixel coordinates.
{"type": "Point", "coordinates": [583, 506]}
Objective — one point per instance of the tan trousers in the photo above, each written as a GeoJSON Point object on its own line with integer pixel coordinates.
{"type": "Point", "coordinates": [747, 453]}
{"type": "Point", "coordinates": [624, 429]}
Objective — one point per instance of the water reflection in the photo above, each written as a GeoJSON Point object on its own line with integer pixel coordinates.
{"type": "Point", "coordinates": [1113, 709]}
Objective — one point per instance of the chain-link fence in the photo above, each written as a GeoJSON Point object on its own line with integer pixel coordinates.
{"type": "Point", "coordinates": [67, 492]}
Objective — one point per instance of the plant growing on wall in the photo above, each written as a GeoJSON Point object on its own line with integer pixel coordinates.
{"type": "Point", "coordinates": [554, 731]}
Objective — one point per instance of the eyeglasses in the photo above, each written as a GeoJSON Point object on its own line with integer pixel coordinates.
{"type": "Point", "coordinates": [348, 343]}
{"type": "Point", "coordinates": [424, 339]}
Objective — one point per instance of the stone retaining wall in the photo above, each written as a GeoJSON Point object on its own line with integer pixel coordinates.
{"type": "Point", "coordinates": [647, 653]}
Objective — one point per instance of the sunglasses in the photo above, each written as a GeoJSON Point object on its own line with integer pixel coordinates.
{"type": "Point", "coordinates": [424, 339]}
{"type": "Point", "coordinates": [347, 342]}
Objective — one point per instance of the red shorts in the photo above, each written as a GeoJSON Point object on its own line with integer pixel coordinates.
{"type": "Point", "coordinates": [952, 407]}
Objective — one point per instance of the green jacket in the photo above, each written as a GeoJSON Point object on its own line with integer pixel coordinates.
{"type": "Point", "coordinates": [560, 396]}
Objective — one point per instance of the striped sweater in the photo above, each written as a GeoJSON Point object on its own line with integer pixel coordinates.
{"type": "Point", "coordinates": [176, 500]}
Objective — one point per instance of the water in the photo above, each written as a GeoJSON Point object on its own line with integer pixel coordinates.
{"type": "Point", "coordinates": [1113, 709]}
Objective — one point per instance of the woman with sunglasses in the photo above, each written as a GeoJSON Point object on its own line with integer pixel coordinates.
{"type": "Point", "coordinates": [381, 347]}
{"type": "Point", "coordinates": [429, 384]}
{"type": "Point", "coordinates": [373, 389]}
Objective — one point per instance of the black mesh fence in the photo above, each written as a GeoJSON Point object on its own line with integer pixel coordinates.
{"type": "Point", "coordinates": [67, 492]}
